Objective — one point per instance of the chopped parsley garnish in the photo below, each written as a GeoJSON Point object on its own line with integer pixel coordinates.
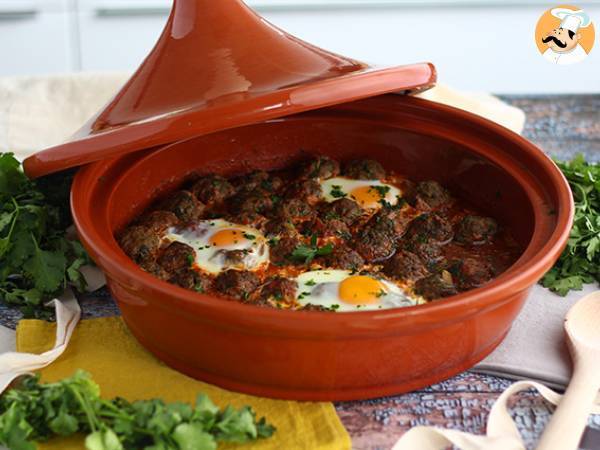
{"type": "Point", "coordinates": [381, 293]}
{"type": "Point", "coordinates": [580, 262]}
{"type": "Point", "coordinates": [381, 190]}
{"type": "Point", "coordinates": [306, 253]}
{"type": "Point", "coordinates": [303, 295]}
{"type": "Point", "coordinates": [336, 191]}
{"type": "Point", "coordinates": [190, 259]}
{"type": "Point", "coordinates": [311, 283]}
{"type": "Point", "coordinates": [334, 307]}
{"type": "Point", "coordinates": [249, 236]}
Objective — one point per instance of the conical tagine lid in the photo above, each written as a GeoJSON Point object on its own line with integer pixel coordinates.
{"type": "Point", "coordinates": [219, 65]}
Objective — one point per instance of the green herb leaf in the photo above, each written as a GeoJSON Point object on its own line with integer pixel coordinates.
{"type": "Point", "coordinates": [580, 262]}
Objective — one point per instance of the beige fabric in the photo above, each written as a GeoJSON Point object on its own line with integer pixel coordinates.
{"type": "Point", "coordinates": [39, 112]}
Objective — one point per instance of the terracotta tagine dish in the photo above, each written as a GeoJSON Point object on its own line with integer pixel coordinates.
{"type": "Point", "coordinates": [225, 92]}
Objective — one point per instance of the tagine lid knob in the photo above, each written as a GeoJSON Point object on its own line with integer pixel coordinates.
{"type": "Point", "coordinates": [219, 65]}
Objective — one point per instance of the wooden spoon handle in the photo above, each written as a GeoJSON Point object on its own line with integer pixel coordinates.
{"type": "Point", "coordinates": [570, 418]}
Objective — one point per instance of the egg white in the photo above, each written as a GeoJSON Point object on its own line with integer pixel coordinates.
{"type": "Point", "coordinates": [335, 188]}
{"type": "Point", "coordinates": [212, 258]}
{"type": "Point", "coordinates": [321, 288]}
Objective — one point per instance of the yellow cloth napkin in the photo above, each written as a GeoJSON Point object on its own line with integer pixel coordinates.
{"type": "Point", "coordinates": [122, 367]}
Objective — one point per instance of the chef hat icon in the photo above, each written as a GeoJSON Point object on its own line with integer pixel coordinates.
{"type": "Point", "coordinates": [572, 20]}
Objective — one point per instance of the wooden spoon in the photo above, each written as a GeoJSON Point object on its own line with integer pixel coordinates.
{"type": "Point", "coordinates": [582, 326]}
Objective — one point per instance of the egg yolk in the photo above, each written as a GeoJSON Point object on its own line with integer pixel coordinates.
{"type": "Point", "coordinates": [361, 290]}
{"type": "Point", "coordinates": [227, 238]}
{"type": "Point", "coordinates": [367, 196]}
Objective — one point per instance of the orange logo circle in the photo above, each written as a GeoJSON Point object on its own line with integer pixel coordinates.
{"type": "Point", "coordinates": [565, 34]}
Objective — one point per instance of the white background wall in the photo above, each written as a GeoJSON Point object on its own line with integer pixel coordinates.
{"type": "Point", "coordinates": [485, 45]}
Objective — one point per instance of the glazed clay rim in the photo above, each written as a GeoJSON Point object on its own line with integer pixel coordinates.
{"type": "Point", "coordinates": [464, 304]}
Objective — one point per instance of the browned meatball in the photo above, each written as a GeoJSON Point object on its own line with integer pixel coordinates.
{"type": "Point", "coordinates": [406, 266]}
{"type": "Point", "coordinates": [435, 286]}
{"type": "Point", "coordinates": [429, 251]}
{"type": "Point", "coordinates": [321, 167]}
{"type": "Point", "coordinates": [257, 202]}
{"type": "Point", "coordinates": [176, 257]}
{"type": "Point", "coordinates": [281, 251]}
{"type": "Point", "coordinates": [212, 189]}
{"type": "Point", "coordinates": [184, 205]}
{"type": "Point", "coordinates": [280, 227]}
{"type": "Point", "coordinates": [392, 220]}
{"type": "Point", "coordinates": [374, 243]}
{"type": "Point", "coordinates": [430, 226]}
{"type": "Point", "coordinates": [295, 210]}
{"type": "Point", "coordinates": [431, 195]}
{"type": "Point", "coordinates": [364, 169]}
{"type": "Point", "coordinates": [469, 273]}
{"type": "Point", "coordinates": [327, 228]}
{"type": "Point", "coordinates": [476, 230]}
{"type": "Point", "coordinates": [156, 270]}
{"type": "Point", "coordinates": [343, 209]}
{"type": "Point", "coordinates": [306, 190]}
{"type": "Point", "coordinates": [141, 244]}
{"type": "Point", "coordinates": [237, 284]}
{"type": "Point", "coordinates": [159, 221]}
{"type": "Point", "coordinates": [251, 181]}
{"type": "Point", "coordinates": [344, 258]}
{"type": "Point", "coordinates": [250, 219]}
{"type": "Point", "coordinates": [192, 280]}
{"type": "Point", "coordinates": [279, 289]}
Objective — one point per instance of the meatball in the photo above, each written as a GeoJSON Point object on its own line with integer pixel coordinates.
{"type": "Point", "coordinates": [237, 284]}
{"type": "Point", "coordinates": [156, 270]}
{"type": "Point", "coordinates": [343, 209]}
{"type": "Point", "coordinates": [430, 252]}
{"type": "Point", "coordinates": [141, 244]}
{"type": "Point", "coordinates": [321, 167]}
{"type": "Point", "coordinates": [295, 210]}
{"type": "Point", "coordinates": [279, 227]}
{"type": "Point", "coordinates": [436, 286]}
{"type": "Point", "coordinates": [392, 221]}
{"type": "Point", "coordinates": [281, 251]}
{"type": "Point", "coordinates": [364, 169]}
{"type": "Point", "coordinates": [251, 181]}
{"type": "Point", "coordinates": [279, 289]}
{"type": "Point", "coordinates": [258, 202]}
{"type": "Point", "coordinates": [250, 219]}
{"type": "Point", "coordinates": [212, 189]}
{"type": "Point", "coordinates": [374, 243]}
{"type": "Point", "coordinates": [327, 228]}
{"type": "Point", "coordinates": [192, 280]}
{"type": "Point", "coordinates": [305, 190]}
{"type": "Point", "coordinates": [430, 226]}
{"type": "Point", "coordinates": [469, 273]}
{"type": "Point", "coordinates": [176, 257]}
{"type": "Point", "coordinates": [159, 221]}
{"type": "Point", "coordinates": [344, 258]}
{"type": "Point", "coordinates": [405, 265]}
{"type": "Point", "coordinates": [184, 205]}
{"type": "Point", "coordinates": [476, 230]}
{"type": "Point", "coordinates": [431, 195]}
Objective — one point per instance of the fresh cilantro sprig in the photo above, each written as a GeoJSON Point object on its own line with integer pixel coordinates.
{"type": "Point", "coordinates": [37, 261]}
{"type": "Point", "coordinates": [580, 262]}
{"type": "Point", "coordinates": [36, 412]}
{"type": "Point", "coordinates": [306, 253]}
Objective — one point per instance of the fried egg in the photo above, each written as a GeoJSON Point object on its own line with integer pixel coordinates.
{"type": "Point", "coordinates": [369, 194]}
{"type": "Point", "coordinates": [222, 245]}
{"type": "Point", "coordinates": [343, 291]}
